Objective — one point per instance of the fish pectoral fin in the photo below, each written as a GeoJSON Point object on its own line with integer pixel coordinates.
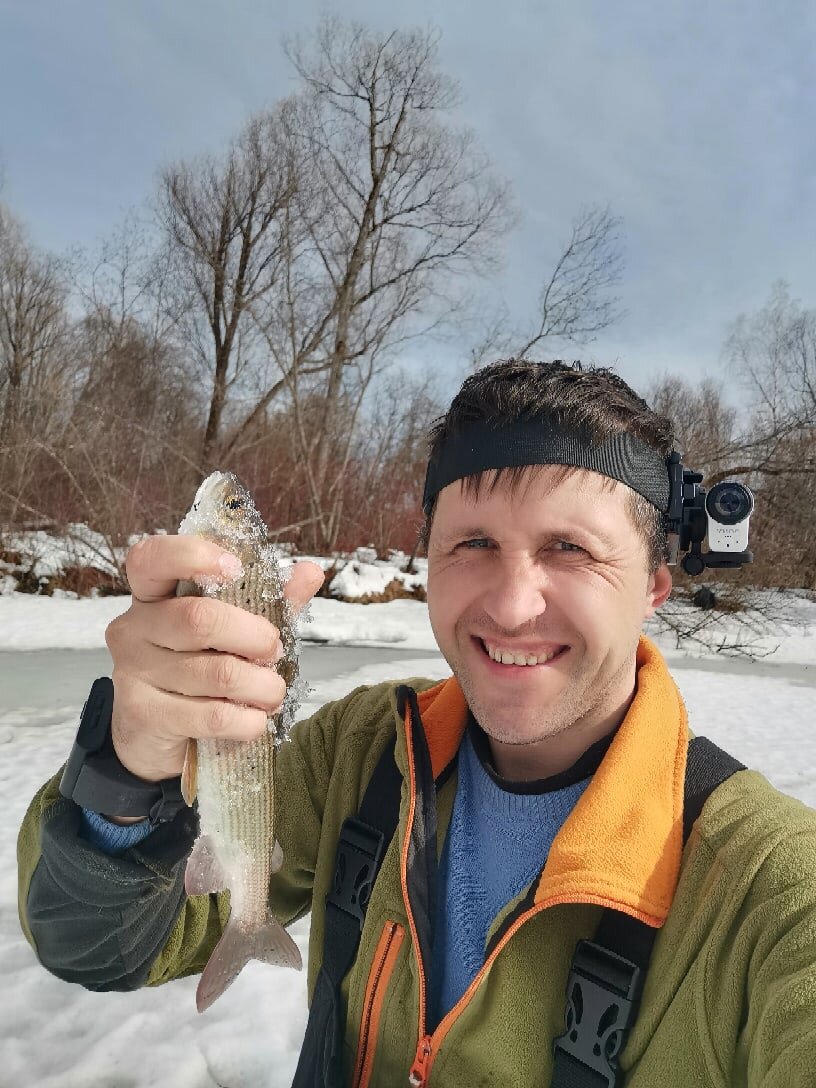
{"type": "Point", "coordinates": [189, 773]}
{"type": "Point", "coordinates": [276, 860]}
{"type": "Point", "coordinates": [203, 873]}
{"type": "Point", "coordinates": [269, 944]}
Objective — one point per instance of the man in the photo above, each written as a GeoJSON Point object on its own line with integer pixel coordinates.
{"type": "Point", "coordinates": [542, 786]}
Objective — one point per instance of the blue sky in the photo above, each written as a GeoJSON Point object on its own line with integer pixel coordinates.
{"type": "Point", "coordinates": [694, 122]}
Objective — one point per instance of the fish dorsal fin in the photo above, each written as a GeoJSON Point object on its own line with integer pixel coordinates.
{"type": "Point", "coordinates": [203, 873]}
{"type": "Point", "coordinates": [189, 773]}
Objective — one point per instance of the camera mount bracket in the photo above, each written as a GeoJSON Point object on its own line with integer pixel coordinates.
{"type": "Point", "coordinates": [686, 523]}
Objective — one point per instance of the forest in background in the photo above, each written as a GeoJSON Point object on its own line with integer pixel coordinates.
{"type": "Point", "coordinates": [256, 316]}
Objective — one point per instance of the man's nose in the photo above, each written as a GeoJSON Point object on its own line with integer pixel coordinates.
{"type": "Point", "coordinates": [515, 592]}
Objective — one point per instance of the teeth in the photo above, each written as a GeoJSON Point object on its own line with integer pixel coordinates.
{"type": "Point", "coordinates": [507, 657]}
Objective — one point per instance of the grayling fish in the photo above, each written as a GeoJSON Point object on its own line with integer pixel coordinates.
{"type": "Point", "coordinates": [233, 781]}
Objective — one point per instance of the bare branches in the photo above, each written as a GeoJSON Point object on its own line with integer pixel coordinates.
{"type": "Point", "coordinates": [774, 449]}
{"type": "Point", "coordinates": [575, 301]}
{"type": "Point", "coordinates": [392, 205]}
{"type": "Point", "coordinates": [221, 222]}
{"type": "Point", "coordinates": [32, 323]}
{"type": "Point", "coordinates": [704, 423]}
{"type": "Point", "coordinates": [742, 623]}
{"type": "Point", "coordinates": [774, 350]}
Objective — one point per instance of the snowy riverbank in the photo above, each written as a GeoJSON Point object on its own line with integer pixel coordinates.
{"type": "Point", "coordinates": [59, 1036]}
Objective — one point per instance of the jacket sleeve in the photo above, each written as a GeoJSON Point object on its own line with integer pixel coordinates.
{"type": "Point", "coordinates": [778, 922]}
{"type": "Point", "coordinates": [93, 918]}
{"type": "Point", "coordinates": [117, 923]}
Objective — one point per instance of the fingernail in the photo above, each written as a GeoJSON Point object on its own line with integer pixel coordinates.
{"type": "Point", "coordinates": [272, 658]}
{"type": "Point", "coordinates": [230, 565]}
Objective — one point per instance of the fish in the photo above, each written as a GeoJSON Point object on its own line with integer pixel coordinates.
{"type": "Point", "coordinates": [233, 782]}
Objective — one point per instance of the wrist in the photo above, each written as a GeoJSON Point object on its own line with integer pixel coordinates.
{"type": "Point", "coordinates": [96, 779]}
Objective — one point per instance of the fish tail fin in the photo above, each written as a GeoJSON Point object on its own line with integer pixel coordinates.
{"type": "Point", "coordinates": [270, 944]}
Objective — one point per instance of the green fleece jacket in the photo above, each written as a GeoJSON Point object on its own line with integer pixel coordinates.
{"type": "Point", "coordinates": [730, 996]}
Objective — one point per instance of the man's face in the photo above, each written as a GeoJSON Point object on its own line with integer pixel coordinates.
{"type": "Point", "coordinates": [554, 574]}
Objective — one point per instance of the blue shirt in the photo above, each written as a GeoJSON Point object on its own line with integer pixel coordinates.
{"type": "Point", "coordinates": [498, 840]}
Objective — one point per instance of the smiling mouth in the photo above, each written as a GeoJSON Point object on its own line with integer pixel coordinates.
{"type": "Point", "coordinates": [504, 655]}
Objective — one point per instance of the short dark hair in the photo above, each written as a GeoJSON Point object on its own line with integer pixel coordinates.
{"type": "Point", "coordinates": [594, 398]}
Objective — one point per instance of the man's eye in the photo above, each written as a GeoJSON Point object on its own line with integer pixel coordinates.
{"type": "Point", "coordinates": [568, 546]}
{"type": "Point", "coordinates": [476, 542]}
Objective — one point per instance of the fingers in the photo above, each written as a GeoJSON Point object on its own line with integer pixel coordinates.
{"type": "Point", "coordinates": [190, 624]}
{"type": "Point", "coordinates": [212, 675]}
{"type": "Point", "coordinates": [305, 580]}
{"type": "Point", "coordinates": [191, 666]}
{"type": "Point", "coordinates": [151, 728]}
{"type": "Point", "coordinates": [155, 564]}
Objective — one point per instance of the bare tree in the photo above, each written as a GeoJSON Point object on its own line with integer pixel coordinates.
{"type": "Point", "coordinates": [390, 458]}
{"type": "Point", "coordinates": [773, 448]}
{"type": "Point", "coordinates": [393, 207]}
{"type": "Point", "coordinates": [221, 221]}
{"type": "Point", "coordinates": [705, 425]}
{"type": "Point", "coordinates": [32, 319]}
{"type": "Point", "coordinates": [774, 350]}
{"type": "Point", "coordinates": [128, 282]}
{"type": "Point", "coordinates": [33, 336]}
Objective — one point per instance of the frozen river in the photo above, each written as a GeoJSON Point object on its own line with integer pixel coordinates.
{"type": "Point", "coordinates": [53, 680]}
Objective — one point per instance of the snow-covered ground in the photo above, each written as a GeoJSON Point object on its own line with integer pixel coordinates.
{"type": "Point", "coordinates": [58, 1036]}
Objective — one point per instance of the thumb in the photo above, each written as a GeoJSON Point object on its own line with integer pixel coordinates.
{"type": "Point", "coordinates": [304, 581]}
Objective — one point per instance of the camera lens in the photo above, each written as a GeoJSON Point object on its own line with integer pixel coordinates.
{"type": "Point", "coordinates": [729, 503]}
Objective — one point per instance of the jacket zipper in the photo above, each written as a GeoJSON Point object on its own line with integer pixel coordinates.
{"type": "Point", "coordinates": [419, 1070]}
{"type": "Point", "coordinates": [428, 1045]}
{"type": "Point", "coordinates": [422, 1063]}
{"type": "Point", "coordinates": [384, 960]}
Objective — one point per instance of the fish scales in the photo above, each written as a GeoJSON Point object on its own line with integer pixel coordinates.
{"type": "Point", "coordinates": [234, 781]}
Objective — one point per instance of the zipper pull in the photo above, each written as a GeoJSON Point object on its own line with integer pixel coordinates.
{"type": "Point", "coordinates": [419, 1070]}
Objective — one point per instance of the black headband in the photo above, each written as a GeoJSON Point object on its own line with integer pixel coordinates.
{"type": "Point", "coordinates": [492, 444]}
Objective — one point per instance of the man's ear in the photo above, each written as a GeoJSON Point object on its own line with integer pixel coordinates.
{"type": "Point", "coordinates": [659, 588]}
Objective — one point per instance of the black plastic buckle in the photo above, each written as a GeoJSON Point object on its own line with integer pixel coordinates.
{"type": "Point", "coordinates": [602, 996]}
{"type": "Point", "coordinates": [169, 804]}
{"type": "Point", "coordinates": [357, 862]}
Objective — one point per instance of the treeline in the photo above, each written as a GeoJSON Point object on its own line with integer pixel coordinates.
{"type": "Point", "coordinates": [251, 318]}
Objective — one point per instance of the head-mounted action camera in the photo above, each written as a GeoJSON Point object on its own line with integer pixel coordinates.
{"type": "Point", "coordinates": [721, 513]}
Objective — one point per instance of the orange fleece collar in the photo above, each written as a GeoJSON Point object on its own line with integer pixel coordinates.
{"type": "Point", "coordinates": [622, 844]}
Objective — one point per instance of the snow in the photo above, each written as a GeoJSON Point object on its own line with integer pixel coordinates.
{"type": "Point", "coordinates": [59, 1036]}
{"type": "Point", "coordinates": [358, 579]}
{"type": "Point", "coordinates": [46, 554]}
{"type": "Point", "coordinates": [29, 622]}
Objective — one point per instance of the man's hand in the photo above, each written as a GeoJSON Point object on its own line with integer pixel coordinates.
{"type": "Point", "coordinates": [186, 666]}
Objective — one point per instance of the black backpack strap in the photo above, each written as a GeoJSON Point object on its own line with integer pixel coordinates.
{"type": "Point", "coordinates": [707, 767]}
{"type": "Point", "coordinates": [363, 841]}
{"type": "Point", "coordinates": [607, 974]}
